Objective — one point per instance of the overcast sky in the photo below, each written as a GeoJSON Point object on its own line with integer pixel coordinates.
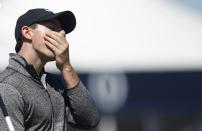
{"type": "Point", "coordinates": [120, 34]}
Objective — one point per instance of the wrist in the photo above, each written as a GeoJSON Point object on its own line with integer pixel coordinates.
{"type": "Point", "coordinates": [66, 67]}
{"type": "Point", "coordinates": [63, 67]}
{"type": "Point", "coordinates": [70, 76]}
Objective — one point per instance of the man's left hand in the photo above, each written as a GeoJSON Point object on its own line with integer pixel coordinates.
{"type": "Point", "coordinates": [59, 45]}
{"type": "Point", "coordinates": [57, 42]}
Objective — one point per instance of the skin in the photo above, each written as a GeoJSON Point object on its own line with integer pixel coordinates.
{"type": "Point", "coordinates": [47, 42]}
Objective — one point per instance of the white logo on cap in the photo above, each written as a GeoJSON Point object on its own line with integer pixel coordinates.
{"type": "Point", "coordinates": [48, 10]}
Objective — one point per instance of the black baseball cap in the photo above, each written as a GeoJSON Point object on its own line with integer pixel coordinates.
{"type": "Point", "coordinates": [33, 16]}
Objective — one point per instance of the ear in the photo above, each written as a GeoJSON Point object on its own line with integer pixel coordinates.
{"type": "Point", "coordinates": [26, 32]}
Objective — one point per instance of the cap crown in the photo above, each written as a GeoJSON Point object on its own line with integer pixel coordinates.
{"type": "Point", "coordinates": [30, 17]}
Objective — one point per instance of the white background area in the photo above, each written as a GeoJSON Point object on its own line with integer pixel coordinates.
{"type": "Point", "coordinates": [118, 35]}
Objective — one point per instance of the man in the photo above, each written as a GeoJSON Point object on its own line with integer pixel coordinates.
{"type": "Point", "coordinates": [34, 99]}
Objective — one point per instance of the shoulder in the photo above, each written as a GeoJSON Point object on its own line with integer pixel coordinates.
{"type": "Point", "coordinates": [6, 89]}
{"type": "Point", "coordinates": [11, 77]}
{"type": "Point", "coordinates": [6, 74]}
{"type": "Point", "coordinates": [10, 94]}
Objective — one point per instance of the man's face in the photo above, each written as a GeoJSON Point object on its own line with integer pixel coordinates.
{"type": "Point", "coordinates": [38, 40]}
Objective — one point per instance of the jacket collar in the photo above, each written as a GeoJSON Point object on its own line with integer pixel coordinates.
{"type": "Point", "coordinates": [19, 64]}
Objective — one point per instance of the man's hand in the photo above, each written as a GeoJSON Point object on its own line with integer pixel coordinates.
{"type": "Point", "coordinates": [57, 42]}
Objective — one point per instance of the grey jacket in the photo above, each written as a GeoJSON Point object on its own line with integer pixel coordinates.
{"type": "Point", "coordinates": [41, 102]}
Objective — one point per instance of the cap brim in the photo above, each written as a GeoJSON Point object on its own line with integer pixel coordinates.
{"type": "Point", "coordinates": [66, 19]}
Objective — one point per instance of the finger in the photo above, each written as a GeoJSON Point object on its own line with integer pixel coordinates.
{"type": "Point", "coordinates": [52, 41]}
{"type": "Point", "coordinates": [60, 46]}
{"type": "Point", "coordinates": [51, 47]}
{"type": "Point", "coordinates": [55, 50]}
{"type": "Point", "coordinates": [62, 42]}
{"type": "Point", "coordinates": [61, 34]}
{"type": "Point", "coordinates": [53, 35]}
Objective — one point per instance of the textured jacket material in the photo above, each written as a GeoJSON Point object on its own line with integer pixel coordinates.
{"type": "Point", "coordinates": [41, 102]}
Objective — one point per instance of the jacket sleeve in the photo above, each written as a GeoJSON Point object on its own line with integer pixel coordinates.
{"type": "Point", "coordinates": [82, 107]}
{"type": "Point", "coordinates": [81, 111]}
{"type": "Point", "coordinates": [14, 105]}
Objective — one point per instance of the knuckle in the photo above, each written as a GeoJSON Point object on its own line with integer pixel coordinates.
{"type": "Point", "coordinates": [57, 39]}
{"type": "Point", "coordinates": [63, 32]}
{"type": "Point", "coordinates": [66, 46]}
{"type": "Point", "coordinates": [61, 51]}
